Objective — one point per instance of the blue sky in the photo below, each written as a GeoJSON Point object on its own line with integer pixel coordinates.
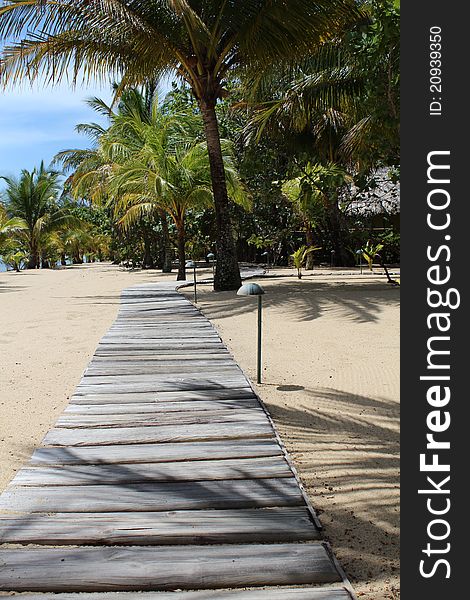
{"type": "Point", "coordinates": [35, 123]}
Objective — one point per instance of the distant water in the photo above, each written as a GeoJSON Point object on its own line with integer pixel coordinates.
{"type": "Point", "coordinates": [3, 266]}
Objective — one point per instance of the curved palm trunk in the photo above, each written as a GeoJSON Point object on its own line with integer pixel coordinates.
{"type": "Point", "coordinates": [166, 244]}
{"type": "Point", "coordinates": [227, 273]}
{"type": "Point", "coordinates": [181, 251]}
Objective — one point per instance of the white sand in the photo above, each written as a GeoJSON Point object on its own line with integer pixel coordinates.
{"type": "Point", "coordinates": [331, 385]}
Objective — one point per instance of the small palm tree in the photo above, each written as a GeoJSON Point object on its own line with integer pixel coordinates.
{"type": "Point", "coordinates": [15, 259]}
{"type": "Point", "coordinates": [370, 251]}
{"type": "Point", "coordinates": [299, 257]}
{"type": "Point", "coordinates": [33, 198]}
{"type": "Point", "coordinates": [9, 227]}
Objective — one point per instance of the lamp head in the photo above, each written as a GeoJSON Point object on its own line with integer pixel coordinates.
{"type": "Point", "coordinates": [250, 289]}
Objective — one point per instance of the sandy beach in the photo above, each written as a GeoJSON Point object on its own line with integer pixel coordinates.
{"type": "Point", "coordinates": [331, 383]}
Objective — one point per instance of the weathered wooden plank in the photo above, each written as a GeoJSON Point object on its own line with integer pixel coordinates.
{"type": "Point", "coordinates": [159, 396]}
{"type": "Point", "coordinates": [249, 415]}
{"type": "Point", "coordinates": [165, 338]}
{"type": "Point", "coordinates": [187, 379]}
{"type": "Point", "coordinates": [163, 332]}
{"type": "Point", "coordinates": [161, 528]}
{"type": "Point", "coordinates": [160, 361]}
{"type": "Point", "coordinates": [203, 470]}
{"type": "Point", "coordinates": [163, 433]}
{"type": "Point", "coordinates": [158, 453]}
{"type": "Point", "coordinates": [152, 325]}
{"type": "Point", "coordinates": [158, 385]}
{"type": "Point", "coordinates": [154, 496]}
{"type": "Point", "coordinates": [276, 593]}
{"type": "Point", "coordinates": [177, 371]}
{"type": "Point", "coordinates": [151, 348]}
{"type": "Point", "coordinates": [160, 407]}
{"type": "Point", "coordinates": [176, 353]}
{"type": "Point", "coordinates": [165, 568]}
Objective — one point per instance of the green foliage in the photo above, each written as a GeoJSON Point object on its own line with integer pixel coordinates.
{"type": "Point", "coordinates": [16, 259]}
{"type": "Point", "coordinates": [305, 106]}
{"type": "Point", "coordinates": [299, 257]}
{"type": "Point", "coordinates": [370, 251]}
{"type": "Point", "coordinates": [9, 230]}
{"type": "Point", "coordinates": [151, 159]}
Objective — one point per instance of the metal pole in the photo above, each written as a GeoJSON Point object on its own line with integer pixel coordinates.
{"type": "Point", "coordinates": [195, 285]}
{"type": "Point", "coordinates": [260, 305]}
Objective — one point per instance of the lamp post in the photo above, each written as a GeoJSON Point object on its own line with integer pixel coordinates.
{"type": "Point", "coordinates": [190, 264]}
{"type": "Point", "coordinates": [253, 289]}
{"type": "Point", "coordinates": [267, 259]}
{"type": "Point", "coordinates": [211, 257]}
{"type": "Point", "coordinates": [359, 253]}
{"type": "Point", "coordinates": [332, 264]}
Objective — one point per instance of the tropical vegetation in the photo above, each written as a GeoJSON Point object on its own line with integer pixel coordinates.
{"type": "Point", "coordinates": [278, 119]}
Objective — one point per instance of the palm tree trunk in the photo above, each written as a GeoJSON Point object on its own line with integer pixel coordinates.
{"type": "Point", "coordinates": [166, 244]}
{"type": "Point", "coordinates": [310, 241]}
{"type": "Point", "coordinates": [147, 259]}
{"type": "Point", "coordinates": [33, 262]}
{"type": "Point", "coordinates": [181, 251]}
{"type": "Point", "coordinates": [227, 273]}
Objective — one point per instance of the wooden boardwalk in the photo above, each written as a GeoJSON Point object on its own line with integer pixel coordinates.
{"type": "Point", "coordinates": [163, 475]}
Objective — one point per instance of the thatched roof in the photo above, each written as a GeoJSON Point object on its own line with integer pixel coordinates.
{"type": "Point", "coordinates": [383, 197]}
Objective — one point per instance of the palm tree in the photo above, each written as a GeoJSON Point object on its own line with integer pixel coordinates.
{"type": "Point", "coordinates": [8, 227]}
{"type": "Point", "coordinates": [33, 197]}
{"type": "Point", "coordinates": [148, 162]}
{"type": "Point", "coordinates": [140, 40]}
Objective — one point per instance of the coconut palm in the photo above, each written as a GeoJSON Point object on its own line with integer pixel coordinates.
{"type": "Point", "coordinates": [138, 40]}
{"type": "Point", "coordinates": [299, 257]}
{"type": "Point", "coordinates": [147, 162]}
{"type": "Point", "coordinates": [175, 182]}
{"type": "Point", "coordinates": [33, 197]}
{"type": "Point", "coordinates": [8, 228]}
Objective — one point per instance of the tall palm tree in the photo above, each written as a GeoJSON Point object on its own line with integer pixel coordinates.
{"type": "Point", "coordinates": [201, 40]}
{"type": "Point", "coordinates": [33, 197]}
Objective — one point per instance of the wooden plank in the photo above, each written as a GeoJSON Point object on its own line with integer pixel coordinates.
{"type": "Point", "coordinates": [169, 385]}
{"type": "Point", "coordinates": [185, 359]}
{"type": "Point", "coordinates": [161, 528]}
{"type": "Point", "coordinates": [165, 568]}
{"type": "Point", "coordinates": [177, 371]}
{"type": "Point", "coordinates": [160, 407]}
{"type": "Point", "coordinates": [138, 351]}
{"type": "Point", "coordinates": [163, 433]}
{"type": "Point", "coordinates": [188, 379]}
{"type": "Point", "coordinates": [249, 415]}
{"type": "Point", "coordinates": [175, 396]}
{"type": "Point", "coordinates": [143, 497]}
{"type": "Point", "coordinates": [203, 470]}
{"type": "Point", "coordinates": [148, 324]}
{"type": "Point", "coordinates": [158, 453]}
{"type": "Point", "coordinates": [276, 593]}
